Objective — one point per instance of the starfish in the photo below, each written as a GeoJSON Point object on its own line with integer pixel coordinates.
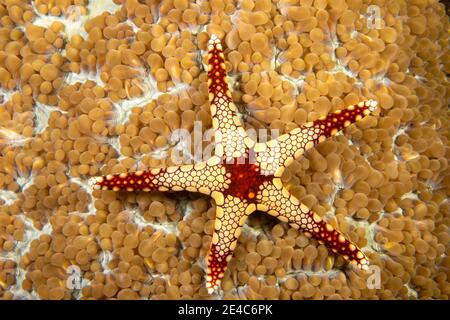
{"type": "Point", "coordinates": [244, 176]}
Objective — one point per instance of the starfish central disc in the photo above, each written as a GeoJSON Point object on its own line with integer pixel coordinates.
{"type": "Point", "coordinates": [246, 179]}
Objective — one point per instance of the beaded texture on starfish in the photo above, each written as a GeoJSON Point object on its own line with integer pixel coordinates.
{"type": "Point", "coordinates": [240, 185]}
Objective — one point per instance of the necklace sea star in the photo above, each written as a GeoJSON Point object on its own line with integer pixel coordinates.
{"type": "Point", "coordinates": [239, 185]}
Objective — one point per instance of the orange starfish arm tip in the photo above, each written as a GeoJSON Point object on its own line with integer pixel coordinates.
{"type": "Point", "coordinates": [336, 242]}
{"type": "Point", "coordinates": [132, 181]}
{"type": "Point", "coordinates": [217, 265]}
{"type": "Point", "coordinates": [334, 122]}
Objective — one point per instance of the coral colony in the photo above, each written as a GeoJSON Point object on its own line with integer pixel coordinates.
{"type": "Point", "coordinates": [99, 89]}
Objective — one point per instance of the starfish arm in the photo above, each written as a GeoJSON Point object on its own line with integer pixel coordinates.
{"type": "Point", "coordinates": [280, 203]}
{"type": "Point", "coordinates": [230, 216]}
{"type": "Point", "coordinates": [230, 136]}
{"type": "Point", "coordinates": [201, 178]}
{"type": "Point", "coordinates": [278, 153]}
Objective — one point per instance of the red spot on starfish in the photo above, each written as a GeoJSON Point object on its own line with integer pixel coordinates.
{"type": "Point", "coordinates": [246, 179]}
